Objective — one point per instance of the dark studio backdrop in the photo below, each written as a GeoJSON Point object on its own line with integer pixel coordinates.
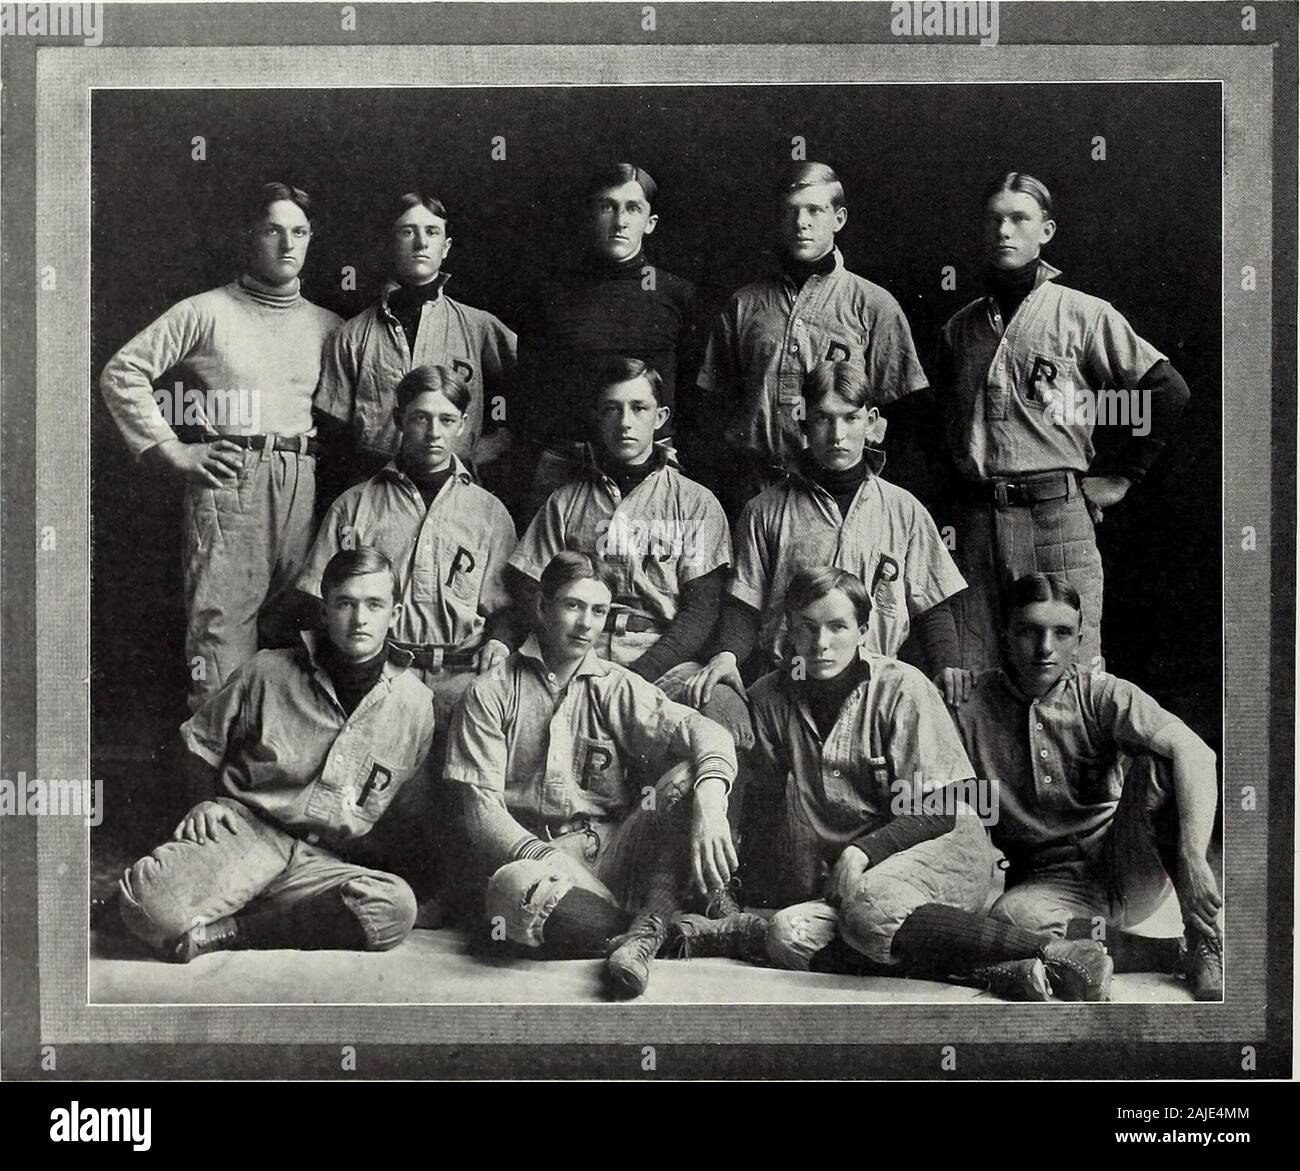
{"type": "Point", "coordinates": [1141, 229]}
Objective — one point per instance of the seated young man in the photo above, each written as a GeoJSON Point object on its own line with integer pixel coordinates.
{"type": "Point", "coordinates": [304, 749]}
{"type": "Point", "coordinates": [1103, 794]}
{"type": "Point", "coordinates": [832, 508]}
{"type": "Point", "coordinates": [887, 868]}
{"type": "Point", "coordinates": [662, 535]}
{"type": "Point", "coordinates": [577, 860]}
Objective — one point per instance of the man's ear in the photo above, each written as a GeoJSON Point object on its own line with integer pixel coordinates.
{"type": "Point", "coordinates": [395, 616]}
{"type": "Point", "coordinates": [841, 217]}
{"type": "Point", "coordinates": [1049, 230]}
{"type": "Point", "coordinates": [876, 424]}
{"type": "Point", "coordinates": [661, 416]}
{"type": "Point", "coordinates": [446, 247]}
{"type": "Point", "coordinates": [650, 223]}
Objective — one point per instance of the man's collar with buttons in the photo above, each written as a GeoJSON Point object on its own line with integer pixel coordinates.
{"type": "Point", "coordinates": [391, 286]}
{"type": "Point", "coordinates": [315, 640]}
{"type": "Point", "coordinates": [592, 663]}
{"type": "Point", "coordinates": [390, 470]}
{"type": "Point", "coordinates": [1009, 682]}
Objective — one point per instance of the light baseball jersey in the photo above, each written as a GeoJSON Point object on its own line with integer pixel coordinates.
{"type": "Point", "coordinates": [666, 532]}
{"type": "Point", "coordinates": [887, 539]}
{"type": "Point", "coordinates": [891, 742]}
{"type": "Point", "coordinates": [450, 558]}
{"type": "Point", "coordinates": [247, 358]}
{"type": "Point", "coordinates": [1056, 758]}
{"type": "Point", "coordinates": [1025, 394]}
{"type": "Point", "coordinates": [368, 356]}
{"type": "Point", "coordinates": [772, 333]}
{"type": "Point", "coordinates": [283, 745]}
{"type": "Point", "coordinates": [555, 754]}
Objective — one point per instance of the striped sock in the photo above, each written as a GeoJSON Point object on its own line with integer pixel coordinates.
{"type": "Point", "coordinates": [580, 923]}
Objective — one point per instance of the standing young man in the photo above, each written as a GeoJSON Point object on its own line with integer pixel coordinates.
{"type": "Point", "coordinates": [1027, 372]}
{"type": "Point", "coordinates": [887, 868]}
{"type": "Point", "coordinates": [304, 750]}
{"type": "Point", "coordinates": [832, 508]}
{"type": "Point", "coordinates": [1104, 795]}
{"type": "Point", "coordinates": [249, 353]}
{"type": "Point", "coordinates": [414, 324]}
{"type": "Point", "coordinates": [577, 859]}
{"type": "Point", "coordinates": [811, 309]}
{"type": "Point", "coordinates": [448, 538]}
{"type": "Point", "coordinates": [613, 302]}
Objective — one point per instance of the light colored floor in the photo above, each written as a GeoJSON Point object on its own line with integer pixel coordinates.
{"type": "Point", "coordinates": [433, 967]}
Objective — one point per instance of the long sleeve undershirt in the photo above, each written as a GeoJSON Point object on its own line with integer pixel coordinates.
{"type": "Point", "coordinates": [937, 630]}
{"type": "Point", "coordinates": [904, 832]}
{"type": "Point", "coordinates": [1168, 396]}
{"type": "Point", "coordinates": [697, 615]}
{"type": "Point", "coordinates": [738, 630]}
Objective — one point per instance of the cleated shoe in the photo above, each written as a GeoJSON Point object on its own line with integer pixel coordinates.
{"type": "Point", "coordinates": [1202, 965]}
{"type": "Point", "coordinates": [724, 901]}
{"type": "Point", "coordinates": [1078, 969]}
{"type": "Point", "coordinates": [219, 935]}
{"type": "Point", "coordinates": [1015, 980]}
{"type": "Point", "coordinates": [632, 953]}
{"type": "Point", "coordinates": [741, 936]}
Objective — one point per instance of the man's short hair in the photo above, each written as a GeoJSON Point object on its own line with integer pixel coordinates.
{"type": "Point", "coordinates": [260, 197]}
{"type": "Point", "coordinates": [799, 175]}
{"type": "Point", "coordinates": [423, 379]}
{"type": "Point", "coordinates": [624, 370]}
{"type": "Point", "coordinates": [569, 566]}
{"type": "Point", "coordinates": [846, 379]}
{"type": "Point", "coordinates": [1042, 587]}
{"type": "Point", "coordinates": [403, 203]}
{"type": "Point", "coordinates": [357, 562]}
{"type": "Point", "coordinates": [615, 175]}
{"type": "Point", "coordinates": [810, 585]}
{"type": "Point", "coordinates": [1021, 184]}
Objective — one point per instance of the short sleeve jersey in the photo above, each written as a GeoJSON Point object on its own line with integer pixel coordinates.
{"type": "Point", "coordinates": [1056, 758]}
{"type": "Point", "coordinates": [283, 745]}
{"type": "Point", "coordinates": [666, 532]}
{"type": "Point", "coordinates": [556, 754]}
{"type": "Point", "coordinates": [369, 355]}
{"type": "Point", "coordinates": [773, 332]}
{"type": "Point", "coordinates": [1024, 395]}
{"type": "Point", "coordinates": [887, 539]}
{"type": "Point", "coordinates": [891, 743]}
{"type": "Point", "coordinates": [450, 558]}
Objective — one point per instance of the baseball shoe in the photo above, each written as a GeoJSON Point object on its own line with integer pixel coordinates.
{"type": "Point", "coordinates": [722, 901]}
{"type": "Point", "coordinates": [1202, 965]}
{"type": "Point", "coordinates": [1078, 969]}
{"type": "Point", "coordinates": [632, 953]}
{"type": "Point", "coordinates": [1015, 980]}
{"type": "Point", "coordinates": [742, 936]}
{"type": "Point", "coordinates": [219, 935]}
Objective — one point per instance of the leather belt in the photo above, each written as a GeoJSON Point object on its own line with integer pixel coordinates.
{"type": "Point", "coordinates": [630, 622]}
{"type": "Point", "coordinates": [302, 444]}
{"type": "Point", "coordinates": [1026, 491]}
{"type": "Point", "coordinates": [430, 657]}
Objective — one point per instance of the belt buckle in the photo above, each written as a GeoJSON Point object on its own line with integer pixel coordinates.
{"type": "Point", "coordinates": [268, 446]}
{"type": "Point", "coordinates": [303, 440]}
{"type": "Point", "coordinates": [1000, 497]}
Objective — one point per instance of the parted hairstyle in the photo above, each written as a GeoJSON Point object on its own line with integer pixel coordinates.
{"type": "Point", "coordinates": [797, 175]}
{"type": "Point", "coordinates": [260, 197]}
{"type": "Point", "coordinates": [434, 378]}
{"type": "Point", "coordinates": [618, 370]}
{"type": "Point", "coordinates": [810, 585]}
{"type": "Point", "coordinates": [1022, 184]}
{"type": "Point", "coordinates": [569, 566]}
{"type": "Point", "coordinates": [845, 379]}
{"type": "Point", "coordinates": [357, 562]}
{"type": "Point", "coordinates": [1042, 587]}
{"type": "Point", "coordinates": [403, 203]}
{"type": "Point", "coordinates": [615, 175]}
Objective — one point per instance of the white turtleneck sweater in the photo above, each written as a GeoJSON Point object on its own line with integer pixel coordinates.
{"type": "Point", "coordinates": [258, 345]}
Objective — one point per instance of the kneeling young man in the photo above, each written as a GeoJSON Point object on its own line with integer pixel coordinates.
{"type": "Point", "coordinates": [579, 859]}
{"type": "Point", "coordinates": [1103, 794]}
{"type": "Point", "coordinates": [307, 748]}
{"type": "Point", "coordinates": [887, 872]}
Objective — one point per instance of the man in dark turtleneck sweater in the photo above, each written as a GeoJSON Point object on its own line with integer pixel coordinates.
{"type": "Point", "coordinates": [613, 303]}
{"type": "Point", "coordinates": [1028, 371]}
{"type": "Point", "coordinates": [777, 328]}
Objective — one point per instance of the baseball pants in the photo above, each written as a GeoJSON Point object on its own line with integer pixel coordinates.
{"type": "Point", "coordinates": [995, 546]}
{"type": "Point", "coordinates": [184, 884]}
{"type": "Point", "coordinates": [244, 546]}
{"type": "Point", "coordinates": [954, 870]}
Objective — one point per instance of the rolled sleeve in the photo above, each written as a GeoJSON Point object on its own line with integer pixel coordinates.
{"type": "Point", "coordinates": [1117, 355]}
{"type": "Point", "coordinates": [892, 363]}
{"type": "Point", "coordinates": [336, 388]}
{"type": "Point", "coordinates": [752, 573]}
{"type": "Point", "coordinates": [543, 538]}
{"type": "Point", "coordinates": [1125, 715]}
{"type": "Point", "coordinates": [477, 749]}
{"type": "Point", "coordinates": [709, 544]}
{"type": "Point", "coordinates": [932, 575]}
{"type": "Point", "coordinates": [211, 729]}
{"type": "Point", "coordinates": [920, 741]}
{"type": "Point", "coordinates": [495, 594]}
{"type": "Point", "coordinates": [657, 728]}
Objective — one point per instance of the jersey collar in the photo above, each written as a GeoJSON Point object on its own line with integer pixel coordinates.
{"type": "Point", "coordinates": [391, 471]}
{"type": "Point", "coordinates": [314, 640]}
{"type": "Point", "coordinates": [1013, 688]}
{"type": "Point", "coordinates": [391, 286]}
{"type": "Point", "coordinates": [592, 663]}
